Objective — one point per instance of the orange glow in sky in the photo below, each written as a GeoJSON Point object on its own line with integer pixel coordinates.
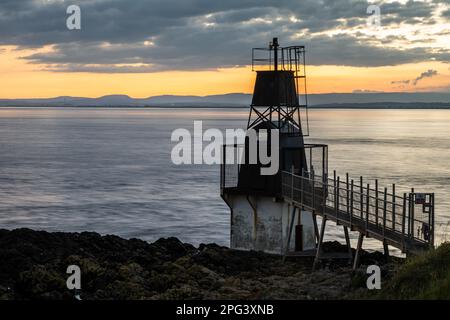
{"type": "Point", "coordinates": [21, 79]}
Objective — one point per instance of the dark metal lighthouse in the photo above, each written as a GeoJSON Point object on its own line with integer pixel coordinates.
{"type": "Point", "coordinates": [267, 211]}
{"type": "Point", "coordinates": [279, 103]}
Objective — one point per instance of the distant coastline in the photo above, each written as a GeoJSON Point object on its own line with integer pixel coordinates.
{"type": "Point", "coordinates": [384, 105]}
{"type": "Point", "coordinates": [368, 106]}
{"type": "Point", "coordinates": [383, 100]}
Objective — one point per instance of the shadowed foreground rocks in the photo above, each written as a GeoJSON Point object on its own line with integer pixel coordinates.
{"type": "Point", "coordinates": [33, 266]}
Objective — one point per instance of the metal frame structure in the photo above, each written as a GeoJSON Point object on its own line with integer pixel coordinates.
{"type": "Point", "coordinates": [291, 59]}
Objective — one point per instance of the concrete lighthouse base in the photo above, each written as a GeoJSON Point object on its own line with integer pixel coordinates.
{"type": "Point", "coordinates": [262, 223]}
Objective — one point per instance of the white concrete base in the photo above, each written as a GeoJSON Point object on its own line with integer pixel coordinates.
{"type": "Point", "coordinates": [262, 224]}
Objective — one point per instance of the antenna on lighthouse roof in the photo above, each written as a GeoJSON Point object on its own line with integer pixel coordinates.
{"type": "Point", "coordinates": [274, 46]}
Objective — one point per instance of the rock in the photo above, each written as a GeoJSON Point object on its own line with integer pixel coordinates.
{"type": "Point", "coordinates": [34, 265]}
{"type": "Point", "coordinates": [41, 282]}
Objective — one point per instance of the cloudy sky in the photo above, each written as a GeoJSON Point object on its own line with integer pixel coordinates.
{"type": "Point", "coordinates": [151, 47]}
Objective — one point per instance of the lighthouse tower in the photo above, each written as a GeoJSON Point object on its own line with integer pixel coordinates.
{"type": "Point", "coordinates": [260, 218]}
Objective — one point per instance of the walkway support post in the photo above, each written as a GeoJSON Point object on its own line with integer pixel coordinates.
{"type": "Point", "coordinates": [288, 240]}
{"type": "Point", "coordinates": [358, 251]}
{"type": "Point", "coordinates": [319, 247]}
{"type": "Point", "coordinates": [386, 251]}
{"type": "Point", "coordinates": [347, 241]}
{"type": "Point", "coordinates": [316, 229]}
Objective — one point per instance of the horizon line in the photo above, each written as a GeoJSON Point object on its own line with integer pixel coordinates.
{"type": "Point", "coordinates": [222, 94]}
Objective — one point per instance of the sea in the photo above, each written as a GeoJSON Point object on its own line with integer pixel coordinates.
{"type": "Point", "coordinates": [109, 170]}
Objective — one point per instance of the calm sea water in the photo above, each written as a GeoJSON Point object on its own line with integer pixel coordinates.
{"type": "Point", "coordinates": [110, 171]}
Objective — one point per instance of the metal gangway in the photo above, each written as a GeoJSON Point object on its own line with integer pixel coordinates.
{"type": "Point", "coordinates": [404, 221]}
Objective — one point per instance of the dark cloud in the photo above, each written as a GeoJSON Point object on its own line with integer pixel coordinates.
{"type": "Point", "coordinates": [202, 34]}
{"type": "Point", "coordinates": [401, 82]}
{"type": "Point", "coordinates": [347, 50]}
{"type": "Point", "coordinates": [426, 74]}
{"type": "Point", "coordinates": [411, 9]}
{"type": "Point", "coordinates": [446, 13]}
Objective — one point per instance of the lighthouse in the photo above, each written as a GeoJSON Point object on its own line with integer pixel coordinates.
{"type": "Point", "coordinates": [275, 210]}
{"type": "Point", "coordinates": [260, 218]}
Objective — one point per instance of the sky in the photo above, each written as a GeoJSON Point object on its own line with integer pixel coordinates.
{"type": "Point", "coordinates": [144, 48]}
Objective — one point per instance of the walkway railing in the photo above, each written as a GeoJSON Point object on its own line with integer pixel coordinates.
{"type": "Point", "coordinates": [403, 220]}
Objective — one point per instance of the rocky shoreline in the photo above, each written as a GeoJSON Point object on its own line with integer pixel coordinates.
{"type": "Point", "coordinates": [34, 263]}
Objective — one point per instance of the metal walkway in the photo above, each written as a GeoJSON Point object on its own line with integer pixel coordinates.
{"type": "Point", "coordinates": [403, 221]}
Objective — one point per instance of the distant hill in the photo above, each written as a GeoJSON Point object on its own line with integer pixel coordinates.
{"type": "Point", "coordinates": [238, 99]}
{"type": "Point", "coordinates": [356, 100]}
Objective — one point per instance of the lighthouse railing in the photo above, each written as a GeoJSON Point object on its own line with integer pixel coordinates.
{"type": "Point", "coordinates": [386, 213]}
